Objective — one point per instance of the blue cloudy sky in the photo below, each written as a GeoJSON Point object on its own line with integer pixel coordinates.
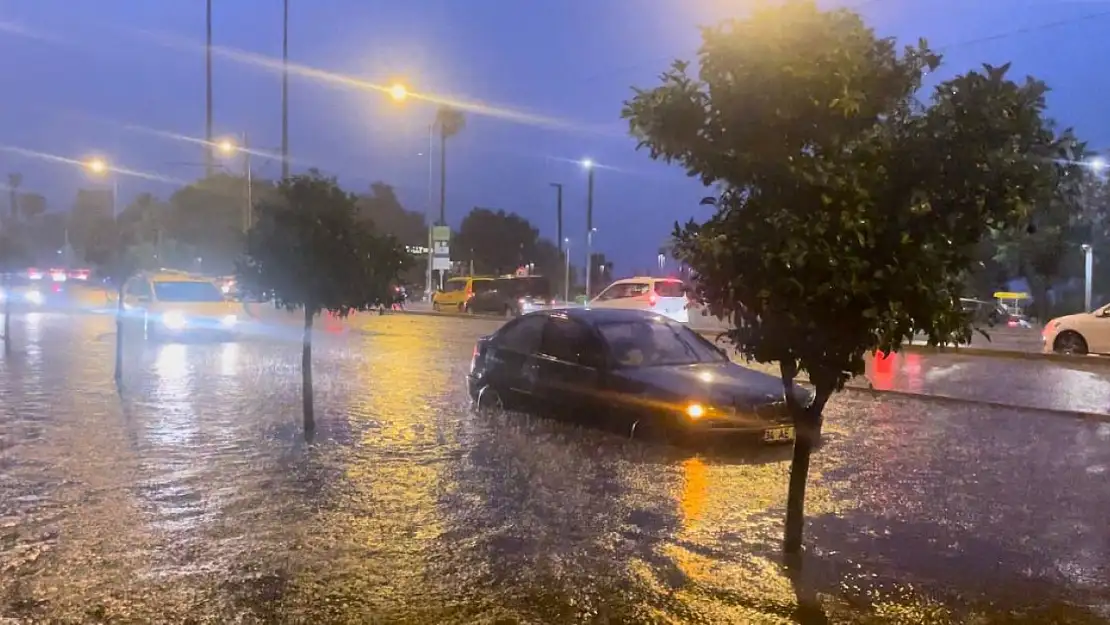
{"type": "Point", "coordinates": [122, 77]}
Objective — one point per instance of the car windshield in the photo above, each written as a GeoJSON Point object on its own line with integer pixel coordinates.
{"type": "Point", "coordinates": [187, 291]}
{"type": "Point", "coordinates": [655, 343]}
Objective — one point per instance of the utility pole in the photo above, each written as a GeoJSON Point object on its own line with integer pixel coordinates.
{"type": "Point", "coordinates": [209, 158]}
{"type": "Point", "coordinates": [284, 90]}
{"type": "Point", "coordinates": [559, 214]}
{"type": "Point", "coordinates": [589, 224]}
{"type": "Point", "coordinates": [249, 175]}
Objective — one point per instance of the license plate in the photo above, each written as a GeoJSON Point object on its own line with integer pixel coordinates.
{"type": "Point", "coordinates": [778, 435]}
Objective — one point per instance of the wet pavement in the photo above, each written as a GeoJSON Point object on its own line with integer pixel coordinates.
{"type": "Point", "coordinates": [192, 496]}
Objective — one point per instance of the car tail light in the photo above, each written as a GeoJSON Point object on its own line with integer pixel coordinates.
{"type": "Point", "coordinates": [57, 288]}
{"type": "Point", "coordinates": [653, 299]}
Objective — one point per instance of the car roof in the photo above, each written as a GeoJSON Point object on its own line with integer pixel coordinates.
{"type": "Point", "coordinates": [176, 276]}
{"type": "Point", "coordinates": [595, 316]}
{"type": "Point", "coordinates": [643, 279]}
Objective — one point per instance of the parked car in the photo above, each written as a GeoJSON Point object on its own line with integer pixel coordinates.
{"type": "Point", "coordinates": [512, 296]}
{"type": "Point", "coordinates": [1082, 333]}
{"type": "Point", "coordinates": [458, 291]}
{"type": "Point", "coordinates": [643, 370]}
{"type": "Point", "coordinates": [666, 296]}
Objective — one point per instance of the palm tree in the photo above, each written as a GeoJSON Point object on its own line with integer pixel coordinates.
{"type": "Point", "coordinates": [451, 122]}
{"type": "Point", "coordinates": [14, 182]}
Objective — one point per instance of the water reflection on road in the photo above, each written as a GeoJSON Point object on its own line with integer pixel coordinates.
{"type": "Point", "coordinates": [193, 495]}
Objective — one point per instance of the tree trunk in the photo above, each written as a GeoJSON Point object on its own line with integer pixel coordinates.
{"type": "Point", "coordinates": [119, 332]}
{"type": "Point", "coordinates": [807, 431]}
{"type": "Point", "coordinates": [306, 371]}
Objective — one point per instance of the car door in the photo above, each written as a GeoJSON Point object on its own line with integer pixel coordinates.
{"type": "Point", "coordinates": [486, 296]}
{"type": "Point", "coordinates": [137, 296]}
{"type": "Point", "coordinates": [1095, 329]}
{"type": "Point", "coordinates": [616, 296]}
{"type": "Point", "coordinates": [570, 365]}
{"type": "Point", "coordinates": [510, 360]}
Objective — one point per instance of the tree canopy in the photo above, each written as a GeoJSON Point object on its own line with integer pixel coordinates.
{"type": "Point", "coordinates": [382, 207]}
{"type": "Point", "coordinates": [499, 242]}
{"type": "Point", "coordinates": [849, 210]}
{"type": "Point", "coordinates": [310, 250]}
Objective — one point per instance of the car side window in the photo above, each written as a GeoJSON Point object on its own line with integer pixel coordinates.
{"type": "Point", "coordinates": [569, 341]}
{"type": "Point", "coordinates": [615, 291]}
{"type": "Point", "coordinates": [137, 287]}
{"type": "Point", "coordinates": [481, 286]}
{"type": "Point", "coordinates": [522, 336]}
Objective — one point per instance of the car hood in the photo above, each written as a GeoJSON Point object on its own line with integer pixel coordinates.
{"type": "Point", "coordinates": [200, 309]}
{"type": "Point", "coordinates": [724, 383]}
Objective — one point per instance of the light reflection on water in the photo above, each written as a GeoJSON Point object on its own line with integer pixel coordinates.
{"type": "Point", "coordinates": [195, 496]}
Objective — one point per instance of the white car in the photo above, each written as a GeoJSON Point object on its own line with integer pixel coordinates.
{"type": "Point", "coordinates": [1082, 333]}
{"type": "Point", "coordinates": [666, 296]}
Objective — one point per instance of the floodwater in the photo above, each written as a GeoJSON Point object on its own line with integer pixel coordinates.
{"type": "Point", "coordinates": [192, 496]}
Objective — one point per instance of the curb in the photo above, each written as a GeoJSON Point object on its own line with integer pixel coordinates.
{"type": "Point", "coordinates": [1097, 417]}
{"type": "Point", "coordinates": [982, 352]}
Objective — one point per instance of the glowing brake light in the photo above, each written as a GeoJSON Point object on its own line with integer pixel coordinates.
{"type": "Point", "coordinates": [653, 299]}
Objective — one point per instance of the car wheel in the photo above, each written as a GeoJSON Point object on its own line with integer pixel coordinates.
{"type": "Point", "coordinates": [1070, 343]}
{"type": "Point", "coordinates": [489, 399]}
{"type": "Point", "coordinates": [509, 311]}
{"type": "Point", "coordinates": [435, 306]}
{"type": "Point", "coordinates": [462, 308]}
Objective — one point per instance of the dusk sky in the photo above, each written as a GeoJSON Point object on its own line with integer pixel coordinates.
{"type": "Point", "coordinates": [119, 77]}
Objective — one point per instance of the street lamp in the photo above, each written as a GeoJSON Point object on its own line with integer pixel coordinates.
{"type": "Point", "coordinates": [398, 92]}
{"type": "Point", "coordinates": [589, 165]}
{"type": "Point", "coordinates": [227, 147]}
{"type": "Point", "coordinates": [1097, 164]}
{"type": "Point", "coordinates": [566, 278]}
{"type": "Point", "coordinates": [99, 167]}
{"type": "Point", "coordinates": [1088, 265]}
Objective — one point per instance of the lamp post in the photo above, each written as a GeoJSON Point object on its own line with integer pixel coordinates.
{"type": "Point", "coordinates": [566, 278]}
{"type": "Point", "coordinates": [558, 214]}
{"type": "Point", "coordinates": [227, 147]}
{"type": "Point", "coordinates": [1088, 265]}
{"type": "Point", "coordinates": [589, 165]}
{"type": "Point", "coordinates": [99, 167]}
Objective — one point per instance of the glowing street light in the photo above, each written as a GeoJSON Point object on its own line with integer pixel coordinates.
{"type": "Point", "coordinates": [1098, 164]}
{"type": "Point", "coordinates": [226, 147]}
{"type": "Point", "coordinates": [398, 92]}
{"type": "Point", "coordinates": [587, 163]}
{"type": "Point", "coordinates": [97, 166]}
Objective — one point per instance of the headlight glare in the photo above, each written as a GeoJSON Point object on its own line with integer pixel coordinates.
{"type": "Point", "coordinates": [173, 320]}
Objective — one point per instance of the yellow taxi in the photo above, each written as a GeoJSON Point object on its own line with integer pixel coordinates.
{"type": "Point", "coordinates": [174, 303]}
{"type": "Point", "coordinates": [458, 291]}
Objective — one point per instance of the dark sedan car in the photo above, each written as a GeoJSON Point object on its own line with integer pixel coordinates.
{"type": "Point", "coordinates": [645, 371]}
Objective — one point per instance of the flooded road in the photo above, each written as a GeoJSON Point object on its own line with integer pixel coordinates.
{"type": "Point", "coordinates": [192, 496]}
